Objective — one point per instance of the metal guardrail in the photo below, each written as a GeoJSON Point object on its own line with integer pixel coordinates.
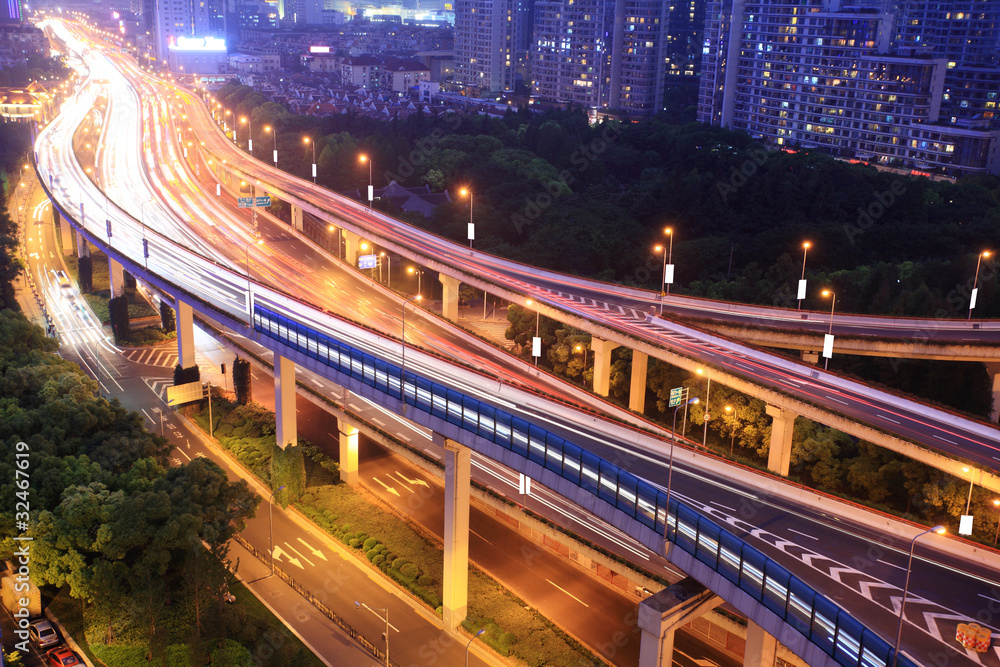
{"type": "Point", "coordinates": [362, 641]}
{"type": "Point", "coordinates": [816, 617]}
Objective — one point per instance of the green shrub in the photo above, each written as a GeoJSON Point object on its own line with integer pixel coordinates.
{"type": "Point", "coordinates": [410, 571]}
{"type": "Point", "coordinates": [370, 543]}
{"type": "Point", "coordinates": [354, 543]}
{"type": "Point", "coordinates": [118, 655]}
{"type": "Point", "coordinates": [378, 560]}
{"type": "Point", "coordinates": [398, 563]}
{"type": "Point", "coordinates": [425, 580]}
{"type": "Point", "coordinates": [232, 654]}
{"type": "Point", "coordinates": [179, 655]}
{"type": "Point", "coordinates": [223, 430]}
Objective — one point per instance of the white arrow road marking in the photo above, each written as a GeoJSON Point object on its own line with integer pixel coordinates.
{"type": "Point", "coordinates": [278, 553]}
{"type": "Point", "coordinates": [412, 481]}
{"type": "Point", "coordinates": [405, 487]}
{"type": "Point", "coordinates": [316, 552]}
{"type": "Point", "coordinates": [311, 564]}
{"type": "Point", "coordinates": [387, 487]}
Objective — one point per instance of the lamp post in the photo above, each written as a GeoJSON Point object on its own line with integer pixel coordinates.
{"type": "Point", "coordinates": [469, 645]}
{"type": "Point", "coordinates": [669, 231]}
{"type": "Point", "coordinates": [142, 222]}
{"type": "Point", "coordinates": [996, 503]}
{"type": "Point", "coordinates": [972, 482]}
{"type": "Point", "coordinates": [270, 534]}
{"type": "Point", "coordinates": [384, 610]}
{"type": "Point", "coordinates": [388, 268]}
{"type": "Point", "coordinates": [308, 140]}
{"type": "Point", "coordinates": [249, 123]}
{"type": "Point", "coordinates": [902, 605]}
{"type": "Point", "coordinates": [829, 334]}
{"type": "Point", "coordinates": [273, 131]}
{"type": "Point", "coordinates": [802, 280]}
{"type": "Point", "coordinates": [975, 282]}
{"type": "Point", "coordinates": [732, 441]}
{"type": "Point", "coordinates": [670, 468]}
{"type": "Point", "coordinates": [371, 186]}
{"type": "Point", "coordinates": [402, 374]}
{"type": "Point", "coordinates": [536, 337]}
{"type": "Point", "coordinates": [420, 274]}
{"type": "Point", "coordinates": [708, 392]}
{"type": "Point", "coordinates": [581, 348]}
{"type": "Point", "coordinates": [472, 228]}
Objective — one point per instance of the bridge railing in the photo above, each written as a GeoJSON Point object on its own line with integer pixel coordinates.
{"type": "Point", "coordinates": [816, 617]}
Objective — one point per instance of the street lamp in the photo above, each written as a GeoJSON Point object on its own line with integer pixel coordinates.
{"type": "Point", "coordinates": [975, 282]}
{"type": "Point", "coordinates": [972, 482]}
{"type": "Point", "coordinates": [581, 348]}
{"type": "Point", "coordinates": [537, 340]}
{"type": "Point", "coordinates": [902, 605]}
{"type": "Point", "coordinates": [420, 274]}
{"type": "Point", "coordinates": [732, 441]}
{"type": "Point", "coordinates": [142, 222]}
{"type": "Point", "coordinates": [249, 123]}
{"type": "Point", "coordinates": [307, 140]}
{"type": "Point", "coordinates": [402, 374]}
{"type": "Point", "coordinates": [670, 468]}
{"type": "Point", "coordinates": [996, 503]}
{"type": "Point", "coordinates": [270, 534]}
{"type": "Point", "coordinates": [802, 280]}
{"type": "Point", "coordinates": [669, 231]}
{"type": "Point", "coordinates": [469, 645]}
{"type": "Point", "coordinates": [388, 268]}
{"type": "Point", "coordinates": [371, 187]}
{"type": "Point", "coordinates": [385, 610]}
{"type": "Point", "coordinates": [708, 391]}
{"type": "Point", "coordinates": [472, 228]}
{"type": "Point", "coordinates": [828, 342]}
{"type": "Point", "coordinates": [268, 128]}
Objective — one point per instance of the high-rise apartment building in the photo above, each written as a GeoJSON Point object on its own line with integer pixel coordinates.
{"type": "Point", "coordinates": [485, 44]}
{"type": "Point", "coordinates": [911, 83]}
{"type": "Point", "coordinates": [198, 19]}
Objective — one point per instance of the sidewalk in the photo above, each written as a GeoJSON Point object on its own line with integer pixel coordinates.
{"type": "Point", "coordinates": [492, 328]}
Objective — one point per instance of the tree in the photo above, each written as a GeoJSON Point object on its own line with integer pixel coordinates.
{"type": "Point", "coordinates": [85, 269]}
{"type": "Point", "coordinates": [167, 318]}
{"type": "Point", "coordinates": [242, 381]}
{"type": "Point", "coordinates": [118, 307]}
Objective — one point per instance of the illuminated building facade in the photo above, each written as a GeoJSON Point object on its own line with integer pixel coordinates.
{"type": "Point", "coordinates": [908, 84]}
{"type": "Point", "coordinates": [192, 19]}
{"type": "Point", "coordinates": [485, 39]}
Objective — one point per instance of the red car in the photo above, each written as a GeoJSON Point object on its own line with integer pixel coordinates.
{"type": "Point", "coordinates": [62, 657]}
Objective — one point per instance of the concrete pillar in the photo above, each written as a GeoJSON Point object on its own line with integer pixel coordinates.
{"type": "Point", "coordinates": [994, 370]}
{"type": "Point", "coordinates": [761, 648]}
{"type": "Point", "coordinates": [810, 357]}
{"type": "Point", "coordinates": [660, 615]}
{"type": "Point", "coordinates": [348, 453]}
{"type": "Point", "coordinates": [602, 364]}
{"type": "Point", "coordinates": [82, 248]}
{"type": "Point", "coordinates": [779, 455]}
{"type": "Point", "coordinates": [184, 321]}
{"type": "Point", "coordinates": [65, 230]}
{"type": "Point", "coordinates": [457, 466]}
{"type": "Point", "coordinates": [449, 297]}
{"type": "Point", "coordinates": [116, 273]}
{"type": "Point", "coordinates": [637, 390]}
{"type": "Point", "coordinates": [350, 248]}
{"type": "Point", "coordinates": [286, 432]}
{"type": "Point", "coordinates": [296, 217]}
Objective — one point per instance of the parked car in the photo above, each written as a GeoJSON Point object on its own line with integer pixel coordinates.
{"type": "Point", "coordinates": [43, 635]}
{"type": "Point", "coordinates": [62, 657]}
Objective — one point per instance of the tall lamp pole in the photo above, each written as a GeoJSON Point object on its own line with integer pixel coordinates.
{"type": "Point", "coordinates": [469, 645]}
{"type": "Point", "coordinates": [274, 131]}
{"type": "Point", "coordinates": [802, 280]}
{"type": "Point", "coordinates": [472, 228]}
{"type": "Point", "coordinates": [385, 610]}
{"type": "Point", "coordinates": [975, 282]}
{"type": "Point", "coordinates": [708, 393]}
{"type": "Point", "coordinates": [829, 334]}
{"type": "Point", "coordinates": [249, 123]}
{"type": "Point", "coordinates": [371, 186]}
{"type": "Point", "coordinates": [308, 140]}
{"type": "Point", "coordinates": [270, 534]}
{"type": "Point", "coordinates": [669, 231]}
{"type": "Point", "coordinates": [902, 605]}
{"type": "Point", "coordinates": [670, 468]}
{"type": "Point", "coordinates": [536, 337]}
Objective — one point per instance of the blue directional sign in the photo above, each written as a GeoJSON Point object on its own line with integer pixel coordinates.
{"type": "Point", "coordinates": [245, 202]}
{"type": "Point", "coordinates": [367, 262]}
{"type": "Point", "coordinates": [678, 396]}
{"type": "Point", "coordinates": [264, 201]}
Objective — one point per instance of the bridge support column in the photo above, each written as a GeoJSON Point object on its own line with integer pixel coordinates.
{"type": "Point", "coordinates": [994, 370]}
{"type": "Point", "coordinates": [810, 357]}
{"type": "Point", "coordinates": [184, 322]}
{"type": "Point", "coordinates": [449, 297]}
{"type": "Point", "coordinates": [348, 453]}
{"type": "Point", "coordinates": [779, 456]}
{"type": "Point", "coordinates": [457, 466]}
{"type": "Point", "coordinates": [660, 615]}
{"type": "Point", "coordinates": [602, 364]}
{"type": "Point", "coordinates": [350, 248]}
{"type": "Point", "coordinates": [761, 648]}
{"type": "Point", "coordinates": [286, 432]}
{"type": "Point", "coordinates": [82, 248]}
{"type": "Point", "coordinates": [296, 217]}
{"type": "Point", "coordinates": [65, 230]}
{"type": "Point", "coordinates": [637, 390]}
{"type": "Point", "coordinates": [116, 274]}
